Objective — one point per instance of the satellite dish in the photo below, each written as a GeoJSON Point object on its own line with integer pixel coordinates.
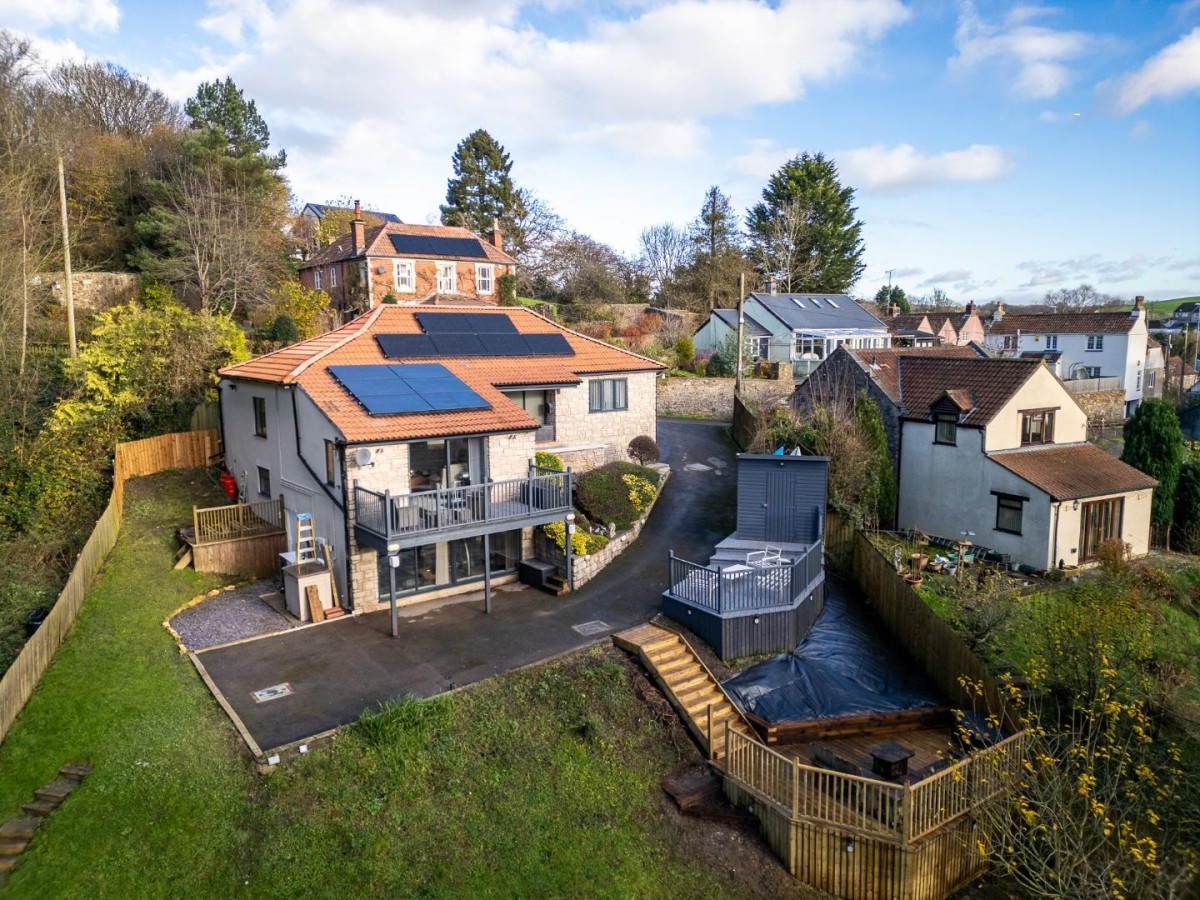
{"type": "Point", "coordinates": [362, 456]}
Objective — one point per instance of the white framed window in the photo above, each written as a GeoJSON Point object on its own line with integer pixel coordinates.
{"type": "Point", "coordinates": [1151, 378]}
{"type": "Point", "coordinates": [1052, 342]}
{"type": "Point", "coordinates": [316, 279]}
{"type": "Point", "coordinates": [1095, 342]}
{"type": "Point", "coordinates": [1011, 342]}
{"type": "Point", "coordinates": [333, 276]}
{"type": "Point", "coordinates": [447, 277]}
{"type": "Point", "coordinates": [485, 278]}
{"type": "Point", "coordinates": [1138, 383]}
{"type": "Point", "coordinates": [406, 276]}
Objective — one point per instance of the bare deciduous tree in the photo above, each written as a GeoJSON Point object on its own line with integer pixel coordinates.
{"type": "Point", "coordinates": [1076, 298]}
{"type": "Point", "coordinates": [109, 99]}
{"type": "Point", "coordinates": [784, 245]}
{"type": "Point", "coordinates": [665, 249]}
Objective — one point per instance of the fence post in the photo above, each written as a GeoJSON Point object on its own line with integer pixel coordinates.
{"type": "Point", "coordinates": [195, 524]}
{"type": "Point", "coordinates": [711, 752]}
{"type": "Point", "coordinates": [906, 815]}
{"type": "Point", "coordinates": [795, 789]}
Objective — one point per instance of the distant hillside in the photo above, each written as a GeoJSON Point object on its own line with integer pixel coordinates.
{"type": "Point", "coordinates": [1157, 309]}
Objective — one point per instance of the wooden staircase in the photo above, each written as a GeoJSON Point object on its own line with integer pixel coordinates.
{"type": "Point", "coordinates": [692, 689]}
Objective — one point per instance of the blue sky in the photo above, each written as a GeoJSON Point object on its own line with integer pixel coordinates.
{"type": "Point", "coordinates": [997, 149]}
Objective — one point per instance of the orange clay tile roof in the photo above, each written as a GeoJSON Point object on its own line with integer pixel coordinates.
{"type": "Point", "coordinates": [1066, 323]}
{"type": "Point", "coordinates": [989, 383]}
{"type": "Point", "coordinates": [1073, 471]}
{"type": "Point", "coordinates": [882, 363]}
{"type": "Point", "coordinates": [306, 364]}
{"type": "Point", "coordinates": [377, 243]}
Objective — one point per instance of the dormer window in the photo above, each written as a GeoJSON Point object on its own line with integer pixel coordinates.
{"type": "Point", "coordinates": [945, 428]}
{"type": "Point", "coordinates": [1037, 426]}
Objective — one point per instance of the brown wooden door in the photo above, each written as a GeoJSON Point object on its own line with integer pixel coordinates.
{"type": "Point", "coordinates": [1099, 521]}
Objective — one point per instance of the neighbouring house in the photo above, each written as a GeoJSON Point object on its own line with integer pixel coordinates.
{"type": "Point", "coordinates": [722, 325]}
{"type": "Point", "coordinates": [837, 381]}
{"type": "Point", "coordinates": [915, 330]}
{"type": "Point", "coordinates": [994, 451]}
{"type": "Point", "coordinates": [1104, 350]}
{"type": "Point", "coordinates": [410, 434]}
{"type": "Point", "coordinates": [1186, 314]}
{"type": "Point", "coordinates": [408, 264]}
{"type": "Point", "coordinates": [1156, 369]}
{"type": "Point", "coordinates": [804, 328]}
{"type": "Point", "coordinates": [968, 326]}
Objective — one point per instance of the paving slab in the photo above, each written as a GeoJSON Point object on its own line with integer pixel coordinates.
{"type": "Point", "coordinates": [339, 669]}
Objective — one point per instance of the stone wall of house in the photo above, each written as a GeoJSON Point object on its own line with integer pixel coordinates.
{"type": "Point", "coordinates": [712, 398]}
{"type": "Point", "coordinates": [588, 567]}
{"type": "Point", "coordinates": [509, 455]}
{"type": "Point", "coordinates": [93, 292]}
{"type": "Point", "coordinates": [587, 439]}
{"type": "Point", "coordinates": [1102, 407]}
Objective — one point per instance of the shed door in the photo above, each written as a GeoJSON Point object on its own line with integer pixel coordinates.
{"type": "Point", "coordinates": [779, 512]}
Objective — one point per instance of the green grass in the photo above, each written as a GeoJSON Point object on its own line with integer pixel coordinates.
{"type": "Point", "coordinates": [1158, 308]}
{"type": "Point", "coordinates": [538, 783]}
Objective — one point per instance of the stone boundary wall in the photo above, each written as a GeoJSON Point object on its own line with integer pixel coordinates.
{"type": "Point", "coordinates": [712, 398]}
{"type": "Point", "coordinates": [93, 292]}
{"type": "Point", "coordinates": [1102, 407]}
{"type": "Point", "coordinates": [588, 567]}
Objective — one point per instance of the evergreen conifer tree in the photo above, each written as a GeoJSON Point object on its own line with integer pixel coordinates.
{"type": "Point", "coordinates": [482, 190]}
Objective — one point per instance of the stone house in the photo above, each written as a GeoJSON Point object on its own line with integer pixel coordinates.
{"type": "Point", "coordinates": [410, 435]}
{"type": "Point", "coordinates": [408, 264]}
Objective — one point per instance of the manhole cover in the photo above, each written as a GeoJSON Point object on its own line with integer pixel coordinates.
{"type": "Point", "coordinates": [274, 692]}
{"type": "Point", "coordinates": [589, 628]}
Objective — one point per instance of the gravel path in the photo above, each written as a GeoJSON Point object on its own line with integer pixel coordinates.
{"type": "Point", "coordinates": [232, 616]}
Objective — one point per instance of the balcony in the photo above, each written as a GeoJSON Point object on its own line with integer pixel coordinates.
{"type": "Point", "coordinates": [386, 520]}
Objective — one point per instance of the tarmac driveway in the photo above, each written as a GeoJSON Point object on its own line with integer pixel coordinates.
{"type": "Point", "coordinates": [339, 669]}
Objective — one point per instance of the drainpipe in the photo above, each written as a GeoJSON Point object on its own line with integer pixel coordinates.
{"type": "Point", "coordinates": [1054, 544]}
{"type": "Point", "coordinates": [341, 453]}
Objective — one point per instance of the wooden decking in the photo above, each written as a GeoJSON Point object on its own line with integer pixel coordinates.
{"type": "Point", "coordinates": [692, 689]}
{"type": "Point", "coordinates": [932, 748]}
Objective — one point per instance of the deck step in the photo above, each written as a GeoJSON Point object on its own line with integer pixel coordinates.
{"type": "Point", "coordinates": [12, 846]}
{"type": "Point", "coordinates": [21, 827]}
{"type": "Point", "coordinates": [75, 771]}
{"type": "Point", "coordinates": [40, 807]}
{"type": "Point", "coordinates": [657, 646]}
{"type": "Point", "coordinates": [56, 791]}
{"type": "Point", "coordinates": [688, 683]}
{"type": "Point", "coordinates": [698, 694]}
{"type": "Point", "coordinates": [686, 661]}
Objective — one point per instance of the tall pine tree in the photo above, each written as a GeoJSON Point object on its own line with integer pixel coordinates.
{"type": "Point", "coordinates": [825, 249]}
{"type": "Point", "coordinates": [1154, 444]}
{"type": "Point", "coordinates": [717, 259]}
{"type": "Point", "coordinates": [482, 189]}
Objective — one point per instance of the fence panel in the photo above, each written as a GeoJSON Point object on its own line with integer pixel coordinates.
{"type": "Point", "coordinates": [238, 520]}
{"type": "Point", "coordinates": [130, 460]}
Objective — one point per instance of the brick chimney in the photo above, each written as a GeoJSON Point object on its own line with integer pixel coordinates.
{"type": "Point", "coordinates": [894, 309]}
{"type": "Point", "coordinates": [998, 314]}
{"type": "Point", "coordinates": [1139, 308]}
{"type": "Point", "coordinates": [495, 237]}
{"type": "Point", "coordinates": [970, 307]}
{"type": "Point", "coordinates": [358, 231]}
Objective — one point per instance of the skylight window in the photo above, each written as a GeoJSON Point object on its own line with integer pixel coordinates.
{"type": "Point", "coordinates": [833, 303]}
{"type": "Point", "coordinates": [798, 303]}
{"type": "Point", "coordinates": [815, 302]}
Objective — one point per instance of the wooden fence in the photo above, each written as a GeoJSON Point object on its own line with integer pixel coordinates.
{"type": "Point", "coordinates": [133, 459]}
{"type": "Point", "coordinates": [839, 542]}
{"type": "Point", "coordinates": [925, 636]}
{"type": "Point", "coordinates": [238, 520]}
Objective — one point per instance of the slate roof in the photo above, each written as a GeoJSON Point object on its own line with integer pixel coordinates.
{"type": "Point", "coordinates": [1187, 308]}
{"type": "Point", "coordinates": [377, 243]}
{"type": "Point", "coordinates": [1073, 471]}
{"type": "Point", "coordinates": [806, 312]}
{"type": "Point", "coordinates": [882, 364]}
{"type": "Point", "coordinates": [323, 209]}
{"type": "Point", "coordinates": [989, 383]}
{"type": "Point", "coordinates": [908, 323]}
{"type": "Point", "coordinates": [306, 364]}
{"type": "Point", "coordinates": [1066, 323]}
{"type": "Point", "coordinates": [729, 317]}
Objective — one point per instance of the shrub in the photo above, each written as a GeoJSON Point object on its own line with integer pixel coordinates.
{"type": "Point", "coordinates": [507, 285]}
{"type": "Point", "coordinates": [557, 533]}
{"type": "Point", "coordinates": [544, 459]}
{"type": "Point", "coordinates": [283, 330]}
{"type": "Point", "coordinates": [643, 449]}
{"type": "Point", "coordinates": [605, 496]}
{"type": "Point", "coordinates": [685, 352]}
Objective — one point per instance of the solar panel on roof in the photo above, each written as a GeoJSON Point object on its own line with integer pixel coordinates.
{"type": "Point", "coordinates": [435, 323]}
{"type": "Point", "coordinates": [504, 345]}
{"type": "Point", "coordinates": [490, 323]}
{"type": "Point", "coordinates": [434, 245]}
{"type": "Point", "coordinates": [405, 346]}
{"type": "Point", "coordinates": [457, 344]}
{"type": "Point", "coordinates": [548, 345]}
{"type": "Point", "coordinates": [399, 389]}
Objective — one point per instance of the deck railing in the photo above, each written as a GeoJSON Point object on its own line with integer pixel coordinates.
{"type": "Point", "coordinates": [745, 588]}
{"type": "Point", "coordinates": [904, 813]}
{"type": "Point", "coordinates": [396, 515]}
{"type": "Point", "coordinates": [238, 520]}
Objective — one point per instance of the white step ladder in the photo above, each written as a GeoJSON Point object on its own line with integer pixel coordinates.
{"type": "Point", "coordinates": [306, 542]}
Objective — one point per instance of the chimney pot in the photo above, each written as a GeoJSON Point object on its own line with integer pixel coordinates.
{"type": "Point", "coordinates": [497, 239]}
{"type": "Point", "coordinates": [358, 233]}
{"type": "Point", "coordinates": [357, 210]}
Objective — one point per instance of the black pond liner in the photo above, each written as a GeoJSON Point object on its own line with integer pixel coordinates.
{"type": "Point", "coordinates": [847, 664]}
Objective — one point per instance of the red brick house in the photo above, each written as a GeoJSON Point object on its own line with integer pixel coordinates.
{"type": "Point", "coordinates": [408, 264]}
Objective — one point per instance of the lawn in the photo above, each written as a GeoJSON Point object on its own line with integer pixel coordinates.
{"type": "Point", "coordinates": [1160, 308]}
{"type": "Point", "coordinates": [542, 782]}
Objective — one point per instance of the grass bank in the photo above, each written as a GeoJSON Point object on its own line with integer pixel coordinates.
{"type": "Point", "coordinates": [538, 783]}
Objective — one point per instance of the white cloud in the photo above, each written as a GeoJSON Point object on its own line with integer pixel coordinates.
{"type": "Point", "coordinates": [1173, 71]}
{"type": "Point", "coordinates": [90, 15]}
{"type": "Point", "coordinates": [762, 158]}
{"type": "Point", "coordinates": [1053, 117]}
{"type": "Point", "coordinates": [1092, 269]}
{"type": "Point", "coordinates": [902, 167]}
{"type": "Point", "coordinates": [1039, 55]}
{"type": "Point", "coordinates": [652, 139]}
{"type": "Point", "coordinates": [1141, 130]}
{"type": "Point", "coordinates": [954, 276]}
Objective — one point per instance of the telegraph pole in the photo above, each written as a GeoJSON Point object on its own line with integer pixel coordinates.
{"type": "Point", "coordinates": [737, 383]}
{"type": "Point", "coordinates": [66, 237]}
